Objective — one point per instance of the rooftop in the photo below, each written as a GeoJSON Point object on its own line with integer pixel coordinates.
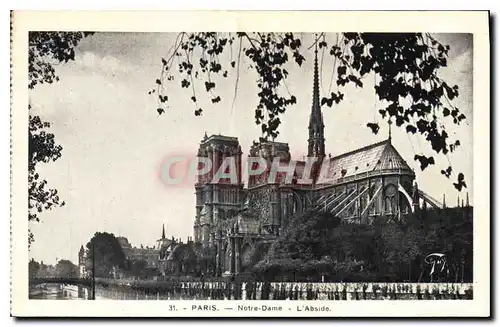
{"type": "Point", "coordinates": [374, 157]}
{"type": "Point", "coordinates": [219, 137]}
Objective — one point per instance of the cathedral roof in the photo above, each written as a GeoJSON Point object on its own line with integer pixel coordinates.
{"type": "Point", "coordinates": [374, 157]}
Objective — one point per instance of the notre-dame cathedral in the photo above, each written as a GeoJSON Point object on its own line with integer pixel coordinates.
{"type": "Point", "coordinates": [362, 185]}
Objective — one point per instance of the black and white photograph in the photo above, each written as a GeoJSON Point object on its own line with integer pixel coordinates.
{"type": "Point", "coordinates": [253, 172]}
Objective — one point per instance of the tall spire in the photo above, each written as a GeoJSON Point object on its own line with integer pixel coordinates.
{"type": "Point", "coordinates": [316, 105]}
{"type": "Point", "coordinates": [316, 141]}
{"type": "Point", "coordinates": [390, 134]}
{"type": "Point", "coordinates": [163, 232]}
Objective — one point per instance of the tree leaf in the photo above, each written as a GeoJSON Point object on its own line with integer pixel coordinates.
{"type": "Point", "coordinates": [374, 127]}
{"type": "Point", "coordinates": [411, 129]}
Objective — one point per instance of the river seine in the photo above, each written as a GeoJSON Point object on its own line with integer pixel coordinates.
{"type": "Point", "coordinates": [71, 292]}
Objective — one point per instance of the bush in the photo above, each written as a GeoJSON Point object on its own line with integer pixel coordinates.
{"type": "Point", "coordinates": [316, 244]}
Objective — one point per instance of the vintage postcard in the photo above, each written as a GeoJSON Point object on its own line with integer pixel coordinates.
{"type": "Point", "coordinates": [250, 164]}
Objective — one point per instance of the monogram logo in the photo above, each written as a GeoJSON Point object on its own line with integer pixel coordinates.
{"type": "Point", "coordinates": [437, 261]}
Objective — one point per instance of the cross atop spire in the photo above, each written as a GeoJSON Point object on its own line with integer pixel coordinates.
{"type": "Point", "coordinates": [316, 141]}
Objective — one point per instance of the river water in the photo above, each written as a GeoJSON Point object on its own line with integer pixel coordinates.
{"type": "Point", "coordinates": [72, 292]}
{"type": "Point", "coordinates": [58, 292]}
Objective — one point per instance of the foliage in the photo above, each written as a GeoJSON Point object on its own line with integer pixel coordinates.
{"type": "Point", "coordinates": [137, 268]}
{"type": "Point", "coordinates": [256, 255]}
{"type": "Point", "coordinates": [307, 237]}
{"type": "Point", "coordinates": [378, 252]}
{"type": "Point", "coordinates": [108, 254]}
{"type": "Point", "coordinates": [46, 49]}
{"type": "Point", "coordinates": [42, 148]}
{"type": "Point", "coordinates": [303, 248]}
{"type": "Point", "coordinates": [44, 270]}
{"type": "Point", "coordinates": [33, 268]}
{"type": "Point", "coordinates": [65, 268]}
{"type": "Point", "coordinates": [405, 65]}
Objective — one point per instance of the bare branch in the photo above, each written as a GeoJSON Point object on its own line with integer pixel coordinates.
{"type": "Point", "coordinates": [237, 78]}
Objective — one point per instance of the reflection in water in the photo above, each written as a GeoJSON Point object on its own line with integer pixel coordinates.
{"type": "Point", "coordinates": [58, 292]}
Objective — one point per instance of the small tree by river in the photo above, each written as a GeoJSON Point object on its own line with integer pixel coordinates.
{"type": "Point", "coordinates": [108, 254]}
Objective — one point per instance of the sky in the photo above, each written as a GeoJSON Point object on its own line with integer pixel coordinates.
{"type": "Point", "coordinates": [114, 141]}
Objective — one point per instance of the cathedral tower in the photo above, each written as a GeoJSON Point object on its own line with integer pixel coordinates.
{"type": "Point", "coordinates": [216, 199]}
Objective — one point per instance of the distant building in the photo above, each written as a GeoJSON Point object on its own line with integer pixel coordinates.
{"type": "Point", "coordinates": [178, 257]}
{"type": "Point", "coordinates": [154, 256]}
{"type": "Point", "coordinates": [132, 253]}
{"type": "Point", "coordinates": [163, 241]}
{"type": "Point", "coordinates": [150, 254]}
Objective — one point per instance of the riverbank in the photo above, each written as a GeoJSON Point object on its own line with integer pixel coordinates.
{"type": "Point", "coordinates": [169, 290]}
